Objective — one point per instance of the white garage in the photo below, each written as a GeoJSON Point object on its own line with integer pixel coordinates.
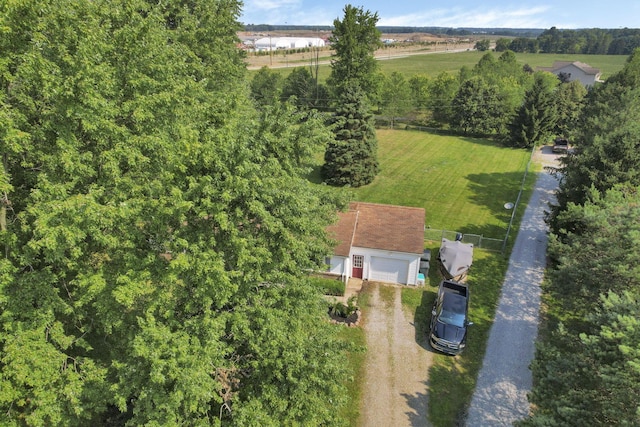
{"type": "Point", "coordinates": [377, 242]}
{"type": "Point", "coordinates": [389, 270]}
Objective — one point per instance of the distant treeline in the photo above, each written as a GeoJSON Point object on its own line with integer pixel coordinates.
{"type": "Point", "coordinates": [513, 32]}
{"type": "Point", "coordinates": [593, 41]}
{"type": "Point", "coordinates": [597, 41]}
{"type": "Point", "coordinates": [621, 41]}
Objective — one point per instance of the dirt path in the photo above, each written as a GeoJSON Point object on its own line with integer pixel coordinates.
{"type": "Point", "coordinates": [397, 365]}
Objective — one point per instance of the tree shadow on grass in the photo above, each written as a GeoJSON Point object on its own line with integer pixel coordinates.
{"type": "Point", "coordinates": [452, 379]}
{"type": "Point", "coordinates": [421, 319]}
{"type": "Point", "coordinates": [315, 175]}
{"type": "Point", "coordinates": [418, 404]}
{"type": "Point", "coordinates": [494, 191]}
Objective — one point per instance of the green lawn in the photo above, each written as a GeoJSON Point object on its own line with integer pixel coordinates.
{"type": "Point", "coordinates": [463, 184]}
{"type": "Point", "coordinates": [432, 64]}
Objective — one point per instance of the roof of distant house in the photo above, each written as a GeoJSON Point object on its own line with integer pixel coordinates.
{"type": "Point", "coordinates": [559, 65]}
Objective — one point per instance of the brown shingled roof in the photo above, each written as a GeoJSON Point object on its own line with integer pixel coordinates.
{"type": "Point", "coordinates": [343, 232]}
{"type": "Point", "coordinates": [378, 226]}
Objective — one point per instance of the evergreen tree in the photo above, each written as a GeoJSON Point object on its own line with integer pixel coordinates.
{"type": "Point", "coordinates": [608, 137]}
{"type": "Point", "coordinates": [351, 159]}
{"type": "Point", "coordinates": [586, 370]}
{"type": "Point", "coordinates": [569, 100]}
{"type": "Point", "coordinates": [536, 118]}
{"type": "Point", "coordinates": [354, 39]}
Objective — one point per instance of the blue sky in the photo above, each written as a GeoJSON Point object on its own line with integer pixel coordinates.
{"type": "Point", "coordinates": [453, 13]}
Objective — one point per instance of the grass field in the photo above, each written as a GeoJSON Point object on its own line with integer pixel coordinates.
{"type": "Point", "coordinates": [432, 64]}
{"type": "Point", "coordinates": [463, 184]}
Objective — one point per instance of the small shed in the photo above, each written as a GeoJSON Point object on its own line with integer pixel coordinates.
{"type": "Point", "coordinates": [378, 242]}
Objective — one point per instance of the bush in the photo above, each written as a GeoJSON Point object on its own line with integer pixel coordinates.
{"type": "Point", "coordinates": [339, 309]}
{"type": "Point", "coordinates": [329, 286]}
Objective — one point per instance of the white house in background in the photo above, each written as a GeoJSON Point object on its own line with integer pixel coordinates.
{"type": "Point", "coordinates": [376, 242]}
{"type": "Point", "coordinates": [586, 74]}
{"type": "Point", "coordinates": [275, 43]}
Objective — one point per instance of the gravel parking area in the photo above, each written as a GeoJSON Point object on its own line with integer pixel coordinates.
{"type": "Point", "coordinates": [397, 365]}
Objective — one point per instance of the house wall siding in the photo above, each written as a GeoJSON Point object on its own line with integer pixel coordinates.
{"type": "Point", "coordinates": [413, 261]}
{"type": "Point", "coordinates": [578, 74]}
{"type": "Point", "coordinates": [338, 265]}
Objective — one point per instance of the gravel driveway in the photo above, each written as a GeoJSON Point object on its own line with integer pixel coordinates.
{"type": "Point", "coordinates": [395, 391]}
{"type": "Point", "coordinates": [500, 397]}
{"type": "Point", "coordinates": [396, 371]}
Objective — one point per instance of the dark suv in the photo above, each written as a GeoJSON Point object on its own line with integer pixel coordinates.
{"type": "Point", "coordinates": [560, 145]}
{"type": "Point", "coordinates": [449, 318]}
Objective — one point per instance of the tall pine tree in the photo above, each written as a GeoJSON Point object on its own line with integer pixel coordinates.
{"type": "Point", "coordinates": [351, 159]}
{"type": "Point", "coordinates": [536, 118]}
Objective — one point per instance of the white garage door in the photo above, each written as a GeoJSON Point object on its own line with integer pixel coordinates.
{"type": "Point", "coordinates": [388, 270]}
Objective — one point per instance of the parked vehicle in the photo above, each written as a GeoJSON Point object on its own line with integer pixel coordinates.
{"type": "Point", "coordinates": [560, 145]}
{"type": "Point", "coordinates": [449, 318]}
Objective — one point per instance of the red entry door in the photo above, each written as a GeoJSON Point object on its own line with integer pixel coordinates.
{"type": "Point", "coordinates": [358, 262]}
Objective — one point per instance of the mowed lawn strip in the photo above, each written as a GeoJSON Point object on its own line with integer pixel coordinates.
{"type": "Point", "coordinates": [462, 183]}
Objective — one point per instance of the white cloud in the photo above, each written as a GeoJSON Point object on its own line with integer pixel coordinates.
{"type": "Point", "coordinates": [279, 12]}
{"type": "Point", "coordinates": [483, 18]}
{"type": "Point", "coordinates": [254, 6]}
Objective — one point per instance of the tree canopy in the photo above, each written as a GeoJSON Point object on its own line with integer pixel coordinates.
{"type": "Point", "coordinates": [396, 96]}
{"type": "Point", "coordinates": [586, 365]}
{"type": "Point", "coordinates": [154, 230]}
{"type": "Point", "coordinates": [536, 118]}
{"type": "Point", "coordinates": [586, 368]}
{"type": "Point", "coordinates": [607, 140]}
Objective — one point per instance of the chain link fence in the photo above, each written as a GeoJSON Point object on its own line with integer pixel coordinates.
{"type": "Point", "coordinates": [478, 240]}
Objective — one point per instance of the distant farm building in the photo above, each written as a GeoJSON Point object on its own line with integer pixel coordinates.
{"type": "Point", "coordinates": [570, 71]}
{"type": "Point", "coordinates": [287, 43]}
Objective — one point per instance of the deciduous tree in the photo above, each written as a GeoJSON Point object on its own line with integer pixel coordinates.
{"type": "Point", "coordinates": [396, 97]}
{"type": "Point", "coordinates": [266, 86]}
{"type": "Point", "coordinates": [477, 108]}
{"type": "Point", "coordinates": [442, 90]}
{"type": "Point", "coordinates": [147, 215]}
